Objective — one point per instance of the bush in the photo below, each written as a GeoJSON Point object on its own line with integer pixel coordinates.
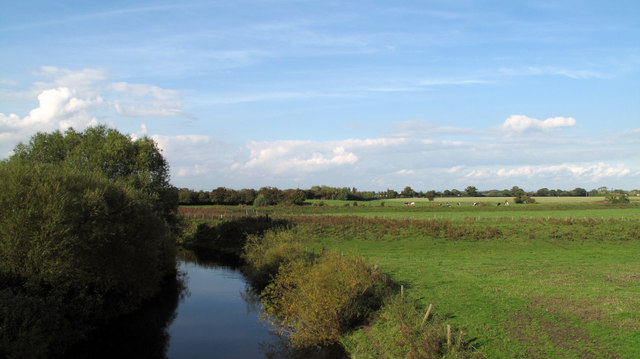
{"type": "Point", "coordinates": [264, 255]}
{"type": "Point", "coordinates": [615, 198]}
{"type": "Point", "coordinates": [261, 201]}
{"type": "Point", "coordinates": [316, 304]}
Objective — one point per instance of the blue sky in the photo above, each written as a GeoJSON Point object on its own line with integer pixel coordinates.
{"type": "Point", "coordinates": [366, 94]}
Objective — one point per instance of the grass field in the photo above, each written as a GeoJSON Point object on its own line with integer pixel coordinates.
{"type": "Point", "coordinates": [557, 279]}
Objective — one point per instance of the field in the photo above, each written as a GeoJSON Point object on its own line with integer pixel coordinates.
{"type": "Point", "coordinates": [557, 279]}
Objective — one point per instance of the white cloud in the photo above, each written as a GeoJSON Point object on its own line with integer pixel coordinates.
{"type": "Point", "coordinates": [521, 123]}
{"type": "Point", "coordinates": [304, 156]}
{"type": "Point", "coordinates": [58, 108]}
{"type": "Point", "coordinates": [580, 173]}
{"type": "Point", "coordinates": [80, 99]}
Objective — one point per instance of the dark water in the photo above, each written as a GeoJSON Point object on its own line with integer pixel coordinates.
{"type": "Point", "coordinates": [211, 313]}
{"type": "Point", "coordinates": [220, 318]}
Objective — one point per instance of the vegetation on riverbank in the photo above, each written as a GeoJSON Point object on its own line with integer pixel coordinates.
{"type": "Point", "coordinates": [316, 298]}
{"type": "Point", "coordinates": [87, 233]}
{"type": "Point", "coordinates": [552, 279]}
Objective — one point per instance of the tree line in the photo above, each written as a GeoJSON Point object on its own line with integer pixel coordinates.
{"type": "Point", "coordinates": [273, 196]}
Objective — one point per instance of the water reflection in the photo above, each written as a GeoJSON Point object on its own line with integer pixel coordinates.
{"type": "Point", "coordinates": [221, 319]}
{"type": "Point", "coordinates": [141, 334]}
{"type": "Point", "coordinates": [209, 311]}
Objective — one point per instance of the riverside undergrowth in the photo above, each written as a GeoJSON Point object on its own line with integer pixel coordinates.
{"type": "Point", "coordinates": [322, 298]}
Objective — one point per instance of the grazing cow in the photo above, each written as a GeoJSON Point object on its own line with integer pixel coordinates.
{"type": "Point", "coordinates": [475, 204]}
{"type": "Point", "coordinates": [412, 203]}
{"type": "Point", "coordinates": [499, 203]}
{"type": "Point", "coordinates": [506, 203]}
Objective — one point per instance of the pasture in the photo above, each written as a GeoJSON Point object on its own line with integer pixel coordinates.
{"type": "Point", "coordinates": [555, 279]}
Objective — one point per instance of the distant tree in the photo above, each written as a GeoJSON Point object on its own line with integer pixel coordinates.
{"type": "Point", "coordinates": [431, 195]}
{"type": "Point", "coordinates": [247, 196]}
{"type": "Point", "coordinates": [407, 192]}
{"type": "Point", "coordinates": [261, 201]}
{"type": "Point", "coordinates": [471, 191]}
{"type": "Point", "coordinates": [217, 196]}
{"type": "Point", "coordinates": [542, 192]}
{"type": "Point", "coordinates": [390, 194]}
{"type": "Point", "coordinates": [579, 192]}
{"type": "Point", "coordinates": [187, 196]}
{"type": "Point", "coordinates": [203, 197]}
{"type": "Point", "coordinates": [271, 195]}
{"type": "Point", "coordinates": [295, 196]}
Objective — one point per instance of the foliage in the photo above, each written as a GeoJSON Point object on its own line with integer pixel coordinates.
{"type": "Point", "coordinates": [617, 198]}
{"type": "Point", "coordinates": [264, 255]}
{"type": "Point", "coordinates": [87, 226]}
{"type": "Point", "coordinates": [261, 201]}
{"type": "Point", "coordinates": [316, 304]}
{"type": "Point", "coordinates": [295, 197]}
{"type": "Point", "coordinates": [138, 163]}
{"type": "Point", "coordinates": [225, 239]}
{"type": "Point", "coordinates": [73, 229]}
{"type": "Point", "coordinates": [408, 192]}
{"type": "Point", "coordinates": [399, 332]}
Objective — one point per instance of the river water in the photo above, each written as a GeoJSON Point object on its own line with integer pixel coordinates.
{"type": "Point", "coordinates": [219, 317]}
{"type": "Point", "coordinates": [212, 312]}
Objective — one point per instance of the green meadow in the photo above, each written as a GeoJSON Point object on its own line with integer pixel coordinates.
{"type": "Point", "coordinates": [555, 279]}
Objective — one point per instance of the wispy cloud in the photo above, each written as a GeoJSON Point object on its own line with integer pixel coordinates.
{"type": "Point", "coordinates": [576, 74]}
{"type": "Point", "coordinates": [580, 173]}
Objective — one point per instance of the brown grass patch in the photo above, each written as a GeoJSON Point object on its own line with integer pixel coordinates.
{"type": "Point", "coordinates": [543, 323]}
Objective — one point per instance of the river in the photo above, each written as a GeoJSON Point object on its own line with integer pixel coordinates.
{"type": "Point", "coordinates": [212, 312]}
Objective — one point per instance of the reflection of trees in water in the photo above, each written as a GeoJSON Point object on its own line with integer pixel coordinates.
{"type": "Point", "coordinates": [141, 334]}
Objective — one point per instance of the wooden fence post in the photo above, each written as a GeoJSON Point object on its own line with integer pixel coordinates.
{"type": "Point", "coordinates": [426, 316]}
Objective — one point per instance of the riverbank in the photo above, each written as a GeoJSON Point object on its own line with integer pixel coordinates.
{"type": "Point", "coordinates": [319, 298]}
{"type": "Point", "coordinates": [544, 280]}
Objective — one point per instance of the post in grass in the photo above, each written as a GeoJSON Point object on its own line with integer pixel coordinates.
{"type": "Point", "coordinates": [426, 316]}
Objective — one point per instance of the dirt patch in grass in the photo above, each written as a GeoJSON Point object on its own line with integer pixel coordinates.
{"type": "Point", "coordinates": [546, 332]}
{"type": "Point", "coordinates": [585, 311]}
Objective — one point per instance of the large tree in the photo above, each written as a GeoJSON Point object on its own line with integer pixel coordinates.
{"type": "Point", "coordinates": [86, 223]}
{"type": "Point", "coordinates": [137, 162]}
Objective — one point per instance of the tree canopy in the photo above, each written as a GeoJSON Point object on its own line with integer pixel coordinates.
{"type": "Point", "coordinates": [86, 234]}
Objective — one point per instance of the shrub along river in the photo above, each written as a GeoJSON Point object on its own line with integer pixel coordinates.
{"type": "Point", "coordinates": [211, 313]}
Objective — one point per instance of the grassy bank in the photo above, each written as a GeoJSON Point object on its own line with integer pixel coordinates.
{"type": "Point", "coordinates": [557, 279]}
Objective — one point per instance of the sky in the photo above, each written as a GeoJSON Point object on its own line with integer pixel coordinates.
{"type": "Point", "coordinates": [374, 95]}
